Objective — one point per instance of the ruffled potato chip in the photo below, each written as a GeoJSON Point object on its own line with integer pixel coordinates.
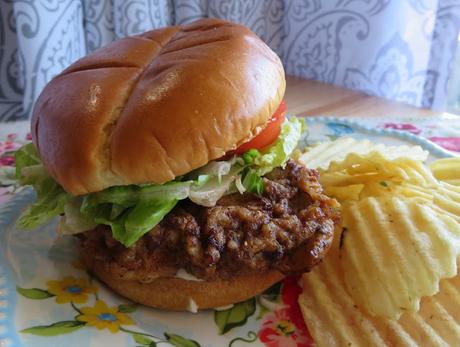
{"type": "Point", "coordinates": [447, 170]}
{"type": "Point", "coordinates": [394, 252]}
{"type": "Point", "coordinates": [374, 168]}
{"type": "Point", "coordinates": [320, 156]}
{"type": "Point", "coordinates": [334, 319]}
{"type": "Point", "coordinates": [402, 224]}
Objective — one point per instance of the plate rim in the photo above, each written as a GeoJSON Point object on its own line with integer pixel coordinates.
{"type": "Point", "coordinates": [8, 211]}
{"type": "Point", "coordinates": [426, 144]}
{"type": "Point", "coordinates": [8, 333]}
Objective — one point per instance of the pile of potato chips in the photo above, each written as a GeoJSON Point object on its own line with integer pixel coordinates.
{"type": "Point", "coordinates": [391, 275]}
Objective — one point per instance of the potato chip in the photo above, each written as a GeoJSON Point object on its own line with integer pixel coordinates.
{"type": "Point", "coordinates": [394, 252]}
{"type": "Point", "coordinates": [374, 167]}
{"type": "Point", "coordinates": [360, 176]}
{"type": "Point", "coordinates": [350, 192]}
{"type": "Point", "coordinates": [440, 200]}
{"type": "Point", "coordinates": [333, 318]}
{"type": "Point", "coordinates": [400, 242]}
{"type": "Point", "coordinates": [444, 199]}
{"type": "Point", "coordinates": [448, 204]}
{"type": "Point", "coordinates": [330, 314]}
{"type": "Point", "coordinates": [447, 170]}
{"type": "Point", "coordinates": [320, 156]}
{"type": "Point", "coordinates": [418, 173]}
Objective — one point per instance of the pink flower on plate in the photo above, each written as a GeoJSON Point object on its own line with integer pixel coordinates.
{"type": "Point", "coordinates": [8, 146]}
{"type": "Point", "coordinates": [278, 330]}
{"type": "Point", "coordinates": [290, 295]}
{"type": "Point", "coordinates": [449, 143]}
{"type": "Point", "coordinates": [403, 127]}
{"type": "Point", "coordinates": [7, 160]}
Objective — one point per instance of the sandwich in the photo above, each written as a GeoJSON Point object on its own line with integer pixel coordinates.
{"type": "Point", "coordinates": [169, 157]}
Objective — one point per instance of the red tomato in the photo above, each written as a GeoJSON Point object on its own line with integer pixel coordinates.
{"type": "Point", "coordinates": [268, 135]}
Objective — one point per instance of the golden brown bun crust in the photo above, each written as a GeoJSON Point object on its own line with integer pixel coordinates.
{"type": "Point", "coordinates": [152, 107]}
{"type": "Point", "coordinates": [177, 294]}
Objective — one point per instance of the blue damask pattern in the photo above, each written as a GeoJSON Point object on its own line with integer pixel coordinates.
{"type": "Point", "coordinates": [98, 23]}
{"type": "Point", "coordinates": [314, 43]}
{"type": "Point", "coordinates": [397, 49]}
{"type": "Point", "coordinates": [392, 75]}
{"type": "Point", "coordinates": [443, 49]}
{"type": "Point", "coordinates": [12, 77]}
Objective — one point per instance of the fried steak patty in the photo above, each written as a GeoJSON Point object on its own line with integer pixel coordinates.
{"type": "Point", "coordinates": [289, 228]}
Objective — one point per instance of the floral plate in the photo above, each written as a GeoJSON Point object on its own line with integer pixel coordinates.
{"type": "Point", "coordinates": [48, 299]}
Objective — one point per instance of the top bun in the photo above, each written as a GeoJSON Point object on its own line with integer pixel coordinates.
{"type": "Point", "coordinates": [148, 108]}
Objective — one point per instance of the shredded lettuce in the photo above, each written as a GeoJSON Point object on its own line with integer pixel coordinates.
{"type": "Point", "coordinates": [216, 186]}
{"type": "Point", "coordinates": [51, 198]}
{"type": "Point", "coordinates": [278, 153]}
{"type": "Point", "coordinates": [252, 182]}
{"type": "Point", "coordinates": [73, 221]}
{"type": "Point", "coordinates": [133, 210]}
{"type": "Point", "coordinates": [129, 196]}
{"type": "Point", "coordinates": [26, 156]}
{"type": "Point", "coordinates": [7, 176]}
{"type": "Point", "coordinates": [134, 222]}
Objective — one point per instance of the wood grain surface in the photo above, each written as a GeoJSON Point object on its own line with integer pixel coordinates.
{"type": "Point", "coordinates": [311, 98]}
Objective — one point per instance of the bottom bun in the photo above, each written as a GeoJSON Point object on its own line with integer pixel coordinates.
{"type": "Point", "coordinates": [182, 295]}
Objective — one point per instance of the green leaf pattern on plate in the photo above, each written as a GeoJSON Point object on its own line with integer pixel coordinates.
{"type": "Point", "coordinates": [179, 341]}
{"type": "Point", "coordinates": [100, 315]}
{"type": "Point", "coordinates": [34, 293]}
{"type": "Point", "coordinates": [58, 328]}
{"type": "Point", "coordinates": [235, 316]}
{"type": "Point", "coordinates": [143, 340]}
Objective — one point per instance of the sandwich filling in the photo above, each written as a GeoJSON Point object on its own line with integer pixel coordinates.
{"type": "Point", "coordinates": [288, 227]}
{"type": "Point", "coordinates": [253, 210]}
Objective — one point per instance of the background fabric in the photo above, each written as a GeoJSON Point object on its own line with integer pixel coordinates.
{"type": "Point", "coordinates": [398, 49]}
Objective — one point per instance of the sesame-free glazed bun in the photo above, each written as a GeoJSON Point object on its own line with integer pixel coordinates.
{"type": "Point", "coordinates": [181, 295]}
{"type": "Point", "coordinates": [148, 108]}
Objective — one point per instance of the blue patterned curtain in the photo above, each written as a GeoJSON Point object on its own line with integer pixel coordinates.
{"type": "Point", "coordinates": [398, 49]}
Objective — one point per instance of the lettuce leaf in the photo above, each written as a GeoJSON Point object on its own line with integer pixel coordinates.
{"type": "Point", "coordinates": [51, 198]}
{"type": "Point", "coordinates": [73, 221]}
{"type": "Point", "coordinates": [7, 176]}
{"type": "Point", "coordinates": [131, 211]}
{"type": "Point", "coordinates": [209, 193]}
{"type": "Point", "coordinates": [252, 182]}
{"type": "Point", "coordinates": [26, 156]}
{"type": "Point", "coordinates": [134, 222]}
{"type": "Point", "coordinates": [278, 153]}
{"type": "Point", "coordinates": [50, 202]}
{"type": "Point", "coordinates": [128, 196]}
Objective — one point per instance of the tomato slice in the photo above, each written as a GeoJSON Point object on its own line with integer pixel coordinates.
{"type": "Point", "coordinates": [268, 135]}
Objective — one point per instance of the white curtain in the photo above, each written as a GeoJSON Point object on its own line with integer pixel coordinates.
{"type": "Point", "coordinates": [398, 49]}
